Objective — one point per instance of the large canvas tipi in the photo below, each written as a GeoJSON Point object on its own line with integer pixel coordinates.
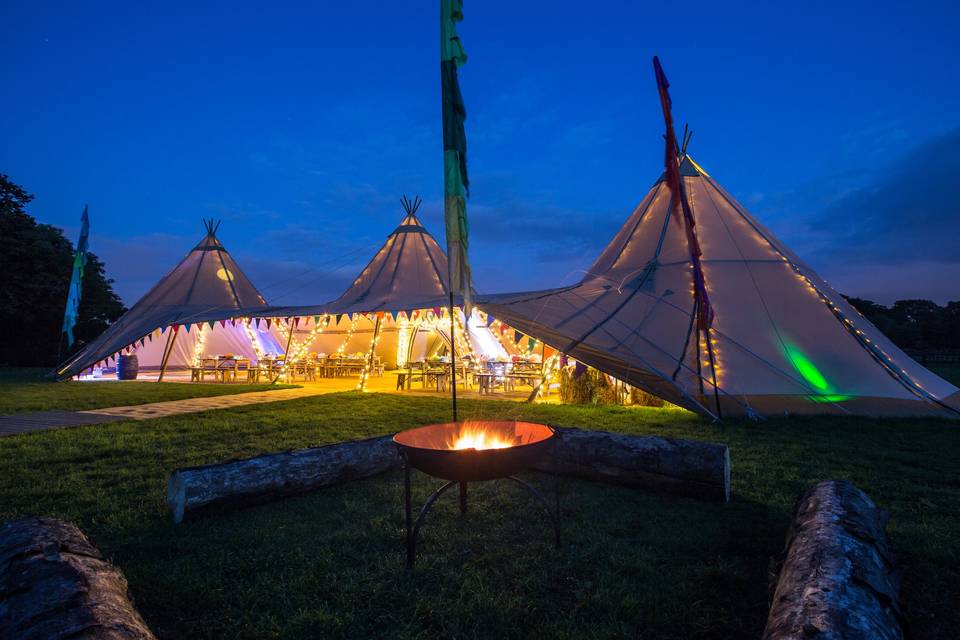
{"type": "Point", "coordinates": [696, 302]}
{"type": "Point", "coordinates": [195, 301]}
{"type": "Point", "coordinates": [406, 278]}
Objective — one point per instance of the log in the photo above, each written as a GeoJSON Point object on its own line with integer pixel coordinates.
{"type": "Point", "coordinates": [838, 579]}
{"type": "Point", "coordinates": [54, 583]}
{"type": "Point", "coordinates": [682, 467]}
{"type": "Point", "coordinates": [195, 491]}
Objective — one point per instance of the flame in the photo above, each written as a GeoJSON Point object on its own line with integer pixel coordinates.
{"type": "Point", "coordinates": [474, 436]}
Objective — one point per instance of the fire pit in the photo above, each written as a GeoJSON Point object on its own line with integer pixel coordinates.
{"type": "Point", "coordinates": [462, 452]}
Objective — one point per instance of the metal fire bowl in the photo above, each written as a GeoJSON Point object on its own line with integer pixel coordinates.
{"type": "Point", "coordinates": [428, 449]}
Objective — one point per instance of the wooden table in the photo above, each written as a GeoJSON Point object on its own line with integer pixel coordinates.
{"type": "Point", "coordinates": [219, 367]}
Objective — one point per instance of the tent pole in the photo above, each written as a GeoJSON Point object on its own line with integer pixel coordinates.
{"type": "Point", "coordinates": [370, 356]}
{"type": "Point", "coordinates": [453, 358]}
{"type": "Point", "coordinates": [167, 350]}
{"type": "Point", "coordinates": [286, 354]}
{"type": "Point", "coordinates": [713, 370]}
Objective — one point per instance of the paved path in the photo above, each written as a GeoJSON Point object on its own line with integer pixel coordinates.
{"type": "Point", "coordinates": [193, 405]}
{"type": "Point", "coordinates": [43, 420]}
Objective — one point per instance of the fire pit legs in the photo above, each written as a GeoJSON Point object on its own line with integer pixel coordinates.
{"type": "Point", "coordinates": [554, 516]}
{"type": "Point", "coordinates": [413, 528]}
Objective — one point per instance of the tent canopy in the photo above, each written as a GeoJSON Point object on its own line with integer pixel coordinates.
{"type": "Point", "coordinates": [783, 340]}
{"type": "Point", "coordinates": [207, 285]}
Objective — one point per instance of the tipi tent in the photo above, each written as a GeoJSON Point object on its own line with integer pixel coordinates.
{"type": "Point", "coordinates": [403, 291]}
{"type": "Point", "coordinates": [778, 338]}
{"type": "Point", "coordinates": [193, 304]}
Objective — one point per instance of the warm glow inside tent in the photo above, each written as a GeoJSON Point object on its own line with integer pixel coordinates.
{"type": "Point", "coordinates": [398, 306]}
{"type": "Point", "coordinates": [191, 312]}
{"type": "Point", "coordinates": [782, 340]}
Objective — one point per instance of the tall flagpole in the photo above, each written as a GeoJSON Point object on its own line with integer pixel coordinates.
{"type": "Point", "coordinates": [455, 183]}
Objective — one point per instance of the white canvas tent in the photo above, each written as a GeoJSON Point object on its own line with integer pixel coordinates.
{"type": "Point", "coordinates": [207, 289]}
{"type": "Point", "coordinates": [781, 341]}
{"type": "Point", "coordinates": [405, 286]}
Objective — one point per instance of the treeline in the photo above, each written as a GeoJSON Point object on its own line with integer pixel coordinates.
{"type": "Point", "coordinates": [36, 262]}
{"type": "Point", "coordinates": [915, 325]}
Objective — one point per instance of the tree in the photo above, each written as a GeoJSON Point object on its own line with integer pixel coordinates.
{"type": "Point", "coordinates": [36, 261]}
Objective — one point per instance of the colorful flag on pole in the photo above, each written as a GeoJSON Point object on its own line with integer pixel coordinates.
{"type": "Point", "coordinates": [456, 186]}
{"type": "Point", "coordinates": [681, 208]}
{"type": "Point", "coordinates": [75, 292]}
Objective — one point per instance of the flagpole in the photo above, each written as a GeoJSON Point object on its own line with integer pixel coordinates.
{"type": "Point", "coordinates": [455, 182]}
{"type": "Point", "coordinates": [453, 358]}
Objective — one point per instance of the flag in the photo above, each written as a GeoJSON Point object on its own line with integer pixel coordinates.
{"type": "Point", "coordinates": [75, 292]}
{"type": "Point", "coordinates": [456, 186]}
{"type": "Point", "coordinates": [681, 208]}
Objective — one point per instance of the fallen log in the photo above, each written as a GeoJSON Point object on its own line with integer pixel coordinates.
{"type": "Point", "coordinates": [55, 584]}
{"type": "Point", "coordinates": [683, 467]}
{"type": "Point", "coordinates": [838, 579]}
{"type": "Point", "coordinates": [194, 491]}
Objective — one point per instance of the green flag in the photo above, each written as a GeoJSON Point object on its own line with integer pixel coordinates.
{"type": "Point", "coordinates": [456, 186]}
{"type": "Point", "coordinates": [76, 279]}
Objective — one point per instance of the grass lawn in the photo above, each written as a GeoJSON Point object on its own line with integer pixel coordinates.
{"type": "Point", "coordinates": [28, 390]}
{"type": "Point", "coordinates": [633, 565]}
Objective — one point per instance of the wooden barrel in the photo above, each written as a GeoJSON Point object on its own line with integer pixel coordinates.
{"type": "Point", "coordinates": [127, 367]}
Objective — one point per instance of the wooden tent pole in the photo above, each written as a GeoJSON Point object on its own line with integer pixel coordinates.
{"type": "Point", "coordinates": [286, 354]}
{"type": "Point", "coordinates": [713, 370]}
{"type": "Point", "coordinates": [167, 350]}
{"type": "Point", "coordinates": [372, 354]}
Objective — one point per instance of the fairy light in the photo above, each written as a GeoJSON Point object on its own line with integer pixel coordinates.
{"type": "Point", "coordinates": [550, 368]}
{"type": "Point", "coordinates": [254, 341]}
{"type": "Point", "coordinates": [403, 341]}
{"type": "Point", "coordinates": [300, 347]}
{"type": "Point", "coordinates": [198, 346]}
{"type": "Point", "coordinates": [346, 340]}
{"type": "Point", "coordinates": [877, 352]}
{"type": "Point", "coordinates": [371, 355]}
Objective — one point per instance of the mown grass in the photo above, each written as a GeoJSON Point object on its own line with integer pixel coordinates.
{"type": "Point", "coordinates": [633, 564]}
{"type": "Point", "coordinates": [24, 390]}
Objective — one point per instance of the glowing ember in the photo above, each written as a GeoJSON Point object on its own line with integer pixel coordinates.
{"type": "Point", "coordinates": [475, 437]}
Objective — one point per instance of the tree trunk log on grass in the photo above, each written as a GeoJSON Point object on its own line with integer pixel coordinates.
{"type": "Point", "coordinates": [684, 467]}
{"type": "Point", "coordinates": [55, 584]}
{"type": "Point", "coordinates": [676, 466]}
{"type": "Point", "coordinates": [194, 491]}
{"type": "Point", "coordinates": [838, 579]}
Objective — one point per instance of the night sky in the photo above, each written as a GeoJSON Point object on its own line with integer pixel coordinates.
{"type": "Point", "coordinates": [837, 124]}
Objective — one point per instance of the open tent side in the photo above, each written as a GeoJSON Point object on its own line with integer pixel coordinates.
{"type": "Point", "coordinates": [197, 302]}
{"type": "Point", "coordinates": [778, 339]}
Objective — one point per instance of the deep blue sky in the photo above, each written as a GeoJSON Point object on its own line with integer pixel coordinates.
{"type": "Point", "coordinates": [836, 123]}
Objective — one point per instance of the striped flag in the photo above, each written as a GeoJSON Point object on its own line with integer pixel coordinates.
{"type": "Point", "coordinates": [456, 186]}
{"type": "Point", "coordinates": [76, 279]}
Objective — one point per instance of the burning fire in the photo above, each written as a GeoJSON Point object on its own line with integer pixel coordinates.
{"type": "Point", "coordinates": [474, 436]}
